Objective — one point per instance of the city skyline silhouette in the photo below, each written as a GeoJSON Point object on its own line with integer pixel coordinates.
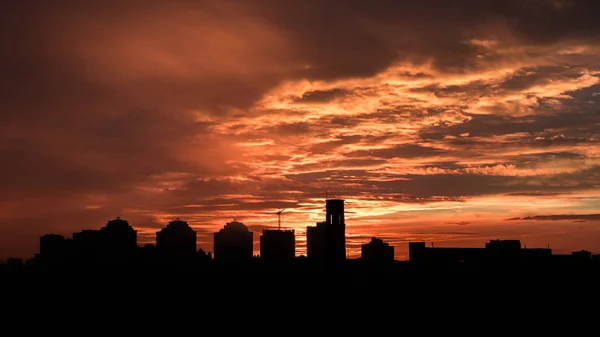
{"type": "Point", "coordinates": [334, 209]}
{"type": "Point", "coordinates": [449, 123]}
{"type": "Point", "coordinates": [115, 246]}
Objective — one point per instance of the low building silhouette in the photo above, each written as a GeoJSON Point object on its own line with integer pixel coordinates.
{"type": "Point", "coordinates": [87, 247]}
{"type": "Point", "coordinates": [175, 241]}
{"type": "Point", "coordinates": [495, 251]}
{"type": "Point", "coordinates": [277, 245]}
{"type": "Point", "coordinates": [583, 255]}
{"type": "Point", "coordinates": [377, 251]}
{"type": "Point", "coordinates": [54, 250]}
{"type": "Point", "coordinates": [233, 242]}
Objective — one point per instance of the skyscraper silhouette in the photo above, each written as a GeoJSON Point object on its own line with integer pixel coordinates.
{"type": "Point", "coordinates": [326, 241]}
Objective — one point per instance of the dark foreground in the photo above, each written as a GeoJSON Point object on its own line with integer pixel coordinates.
{"type": "Point", "coordinates": [351, 299]}
{"type": "Point", "coordinates": [301, 279]}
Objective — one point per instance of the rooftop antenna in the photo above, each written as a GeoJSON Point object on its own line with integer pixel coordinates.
{"type": "Point", "coordinates": [279, 218]}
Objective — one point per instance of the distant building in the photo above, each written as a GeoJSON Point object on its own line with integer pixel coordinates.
{"type": "Point", "coordinates": [176, 240]}
{"type": "Point", "coordinates": [88, 246]}
{"type": "Point", "coordinates": [233, 242]}
{"type": "Point", "coordinates": [114, 243]}
{"type": "Point", "coordinates": [582, 255]}
{"type": "Point", "coordinates": [504, 245]}
{"type": "Point", "coordinates": [315, 241]}
{"type": "Point", "coordinates": [494, 251]}
{"type": "Point", "coordinates": [277, 244]}
{"type": "Point", "coordinates": [120, 239]}
{"type": "Point", "coordinates": [377, 251]}
{"type": "Point", "coordinates": [327, 240]}
{"type": "Point", "coordinates": [53, 249]}
{"type": "Point", "coordinates": [52, 245]}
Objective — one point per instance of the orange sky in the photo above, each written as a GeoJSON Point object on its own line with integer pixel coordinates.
{"type": "Point", "coordinates": [435, 120]}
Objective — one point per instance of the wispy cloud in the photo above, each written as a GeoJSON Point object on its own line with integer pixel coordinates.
{"type": "Point", "coordinates": [575, 217]}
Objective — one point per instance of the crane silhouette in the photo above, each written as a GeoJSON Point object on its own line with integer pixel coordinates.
{"type": "Point", "coordinates": [279, 218]}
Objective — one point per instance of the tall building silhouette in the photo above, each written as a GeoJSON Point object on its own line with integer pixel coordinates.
{"type": "Point", "coordinates": [277, 245]}
{"type": "Point", "coordinates": [176, 240]}
{"type": "Point", "coordinates": [233, 242]}
{"type": "Point", "coordinates": [327, 240]}
{"type": "Point", "coordinates": [377, 251]}
{"type": "Point", "coordinates": [119, 240]}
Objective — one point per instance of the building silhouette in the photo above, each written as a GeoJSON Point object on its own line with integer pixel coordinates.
{"type": "Point", "coordinates": [87, 247]}
{"type": "Point", "coordinates": [116, 242]}
{"type": "Point", "coordinates": [119, 240]}
{"type": "Point", "coordinates": [177, 240]}
{"type": "Point", "coordinates": [233, 242]}
{"type": "Point", "coordinates": [377, 251]}
{"type": "Point", "coordinates": [277, 245]}
{"type": "Point", "coordinates": [495, 251]}
{"type": "Point", "coordinates": [326, 242]}
{"type": "Point", "coordinates": [582, 255]}
{"type": "Point", "coordinates": [54, 249]}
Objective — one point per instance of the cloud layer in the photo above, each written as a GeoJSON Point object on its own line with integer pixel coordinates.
{"type": "Point", "coordinates": [434, 120]}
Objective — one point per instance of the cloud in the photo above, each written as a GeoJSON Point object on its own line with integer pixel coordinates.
{"type": "Point", "coordinates": [462, 223]}
{"type": "Point", "coordinates": [557, 217]}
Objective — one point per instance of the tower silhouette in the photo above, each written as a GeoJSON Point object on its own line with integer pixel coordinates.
{"type": "Point", "coordinates": [327, 240]}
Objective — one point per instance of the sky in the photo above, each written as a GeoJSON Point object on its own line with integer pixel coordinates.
{"type": "Point", "coordinates": [453, 122]}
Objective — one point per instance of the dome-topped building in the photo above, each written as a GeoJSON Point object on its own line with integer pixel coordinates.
{"type": "Point", "coordinates": [118, 224]}
{"type": "Point", "coordinates": [178, 225]}
{"type": "Point", "coordinates": [118, 236]}
{"type": "Point", "coordinates": [235, 226]}
{"type": "Point", "coordinates": [177, 239]}
{"type": "Point", "coordinates": [233, 242]}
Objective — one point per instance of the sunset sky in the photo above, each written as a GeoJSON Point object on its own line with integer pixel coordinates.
{"type": "Point", "coordinates": [453, 122]}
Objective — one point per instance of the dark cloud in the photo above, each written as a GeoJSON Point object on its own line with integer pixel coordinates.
{"type": "Point", "coordinates": [329, 146]}
{"type": "Point", "coordinates": [530, 76]}
{"type": "Point", "coordinates": [556, 217]}
{"type": "Point", "coordinates": [321, 96]}
{"type": "Point", "coordinates": [445, 233]}
{"type": "Point", "coordinates": [294, 128]}
{"type": "Point", "coordinates": [437, 29]}
{"type": "Point", "coordinates": [461, 223]}
{"type": "Point", "coordinates": [545, 127]}
{"type": "Point", "coordinates": [537, 194]}
{"type": "Point", "coordinates": [457, 185]}
{"type": "Point", "coordinates": [398, 151]}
